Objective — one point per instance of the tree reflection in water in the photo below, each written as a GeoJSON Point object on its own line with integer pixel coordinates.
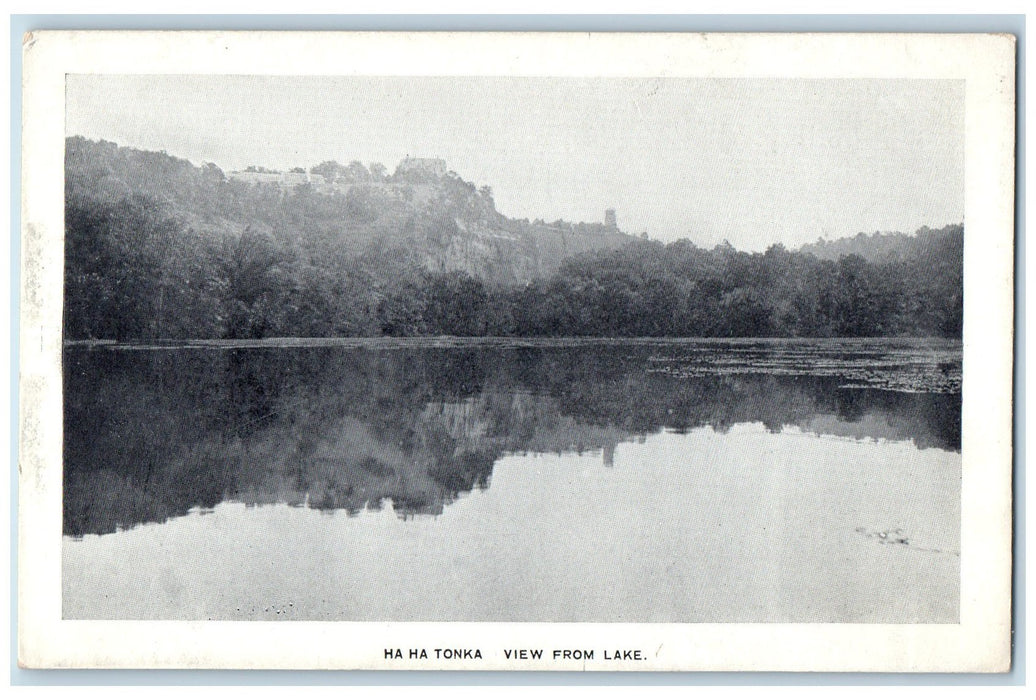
{"type": "Point", "coordinates": [151, 434]}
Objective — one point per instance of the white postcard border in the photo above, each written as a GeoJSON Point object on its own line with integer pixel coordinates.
{"type": "Point", "coordinates": [981, 642]}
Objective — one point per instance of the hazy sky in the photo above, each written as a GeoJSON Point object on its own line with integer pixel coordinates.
{"type": "Point", "coordinates": [751, 161]}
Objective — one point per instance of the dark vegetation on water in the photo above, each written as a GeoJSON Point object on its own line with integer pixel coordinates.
{"type": "Point", "coordinates": [150, 434]}
{"type": "Point", "coordinates": [159, 248]}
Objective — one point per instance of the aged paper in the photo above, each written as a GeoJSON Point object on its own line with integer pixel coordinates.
{"type": "Point", "coordinates": [874, 536]}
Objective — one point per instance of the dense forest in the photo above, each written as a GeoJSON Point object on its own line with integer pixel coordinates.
{"type": "Point", "coordinates": [159, 248]}
{"type": "Point", "coordinates": [875, 247]}
{"type": "Point", "coordinates": [680, 290]}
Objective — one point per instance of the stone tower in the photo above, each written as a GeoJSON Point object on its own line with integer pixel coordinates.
{"type": "Point", "coordinates": [609, 218]}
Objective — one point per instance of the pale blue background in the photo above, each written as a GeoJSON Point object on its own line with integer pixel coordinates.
{"type": "Point", "coordinates": [1014, 24]}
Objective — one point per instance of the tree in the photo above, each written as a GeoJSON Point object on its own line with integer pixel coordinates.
{"type": "Point", "coordinates": [856, 302]}
{"type": "Point", "coordinates": [330, 170]}
{"type": "Point", "coordinates": [455, 304]}
{"type": "Point", "coordinates": [379, 173]}
{"type": "Point", "coordinates": [119, 258]}
{"type": "Point", "coordinates": [248, 266]}
{"type": "Point", "coordinates": [356, 173]}
{"type": "Point", "coordinates": [360, 205]}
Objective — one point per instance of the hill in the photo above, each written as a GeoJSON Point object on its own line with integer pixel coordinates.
{"type": "Point", "coordinates": [876, 247]}
{"type": "Point", "coordinates": [444, 222]}
{"type": "Point", "coordinates": [159, 248]}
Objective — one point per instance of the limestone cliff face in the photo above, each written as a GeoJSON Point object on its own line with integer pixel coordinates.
{"type": "Point", "coordinates": [517, 254]}
{"type": "Point", "coordinates": [458, 228]}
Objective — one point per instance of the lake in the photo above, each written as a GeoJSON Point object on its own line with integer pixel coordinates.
{"type": "Point", "coordinates": [500, 480]}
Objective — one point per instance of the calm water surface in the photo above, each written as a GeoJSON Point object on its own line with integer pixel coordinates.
{"type": "Point", "coordinates": [698, 481]}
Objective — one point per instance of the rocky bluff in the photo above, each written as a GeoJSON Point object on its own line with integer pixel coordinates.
{"type": "Point", "coordinates": [425, 212]}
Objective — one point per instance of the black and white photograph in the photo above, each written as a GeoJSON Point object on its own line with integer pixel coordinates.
{"type": "Point", "coordinates": [674, 350]}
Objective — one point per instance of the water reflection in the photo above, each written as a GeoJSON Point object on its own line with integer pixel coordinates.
{"type": "Point", "coordinates": [152, 434]}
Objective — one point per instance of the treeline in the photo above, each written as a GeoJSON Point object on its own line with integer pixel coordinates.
{"type": "Point", "coordinates": [132, 271]}
{"type": "Point", "coordinates": [647, 289]}
{"type": "Point", "coordinates": [680, 290]}
{"type": "Point", "coordinates": [874, 247]}
{"type": "Point", "coordinates": [135, 272]}
{"type": "Point", "coordinates": [159, 248]}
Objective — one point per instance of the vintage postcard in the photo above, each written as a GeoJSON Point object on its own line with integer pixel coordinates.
{"type": "Point", "coordinates": [516, 351]}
